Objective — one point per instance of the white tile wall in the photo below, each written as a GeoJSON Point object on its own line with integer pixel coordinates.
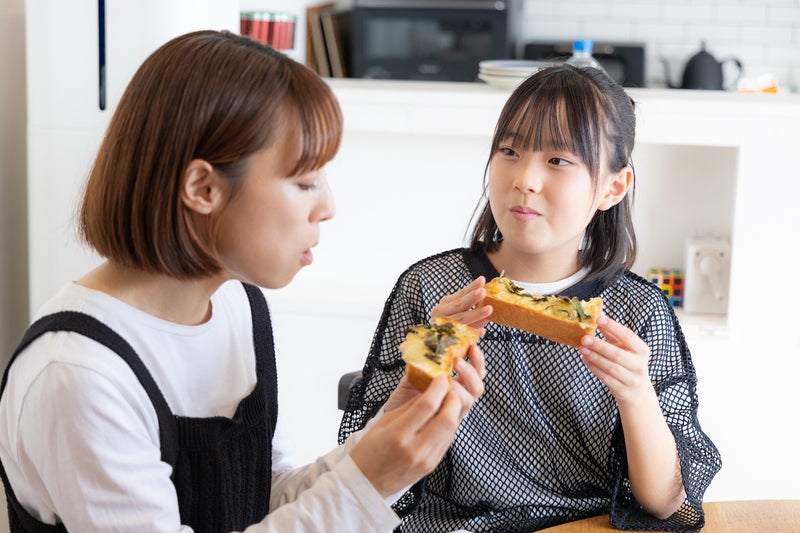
{"type": "Point", "coordinates": [763, 34]}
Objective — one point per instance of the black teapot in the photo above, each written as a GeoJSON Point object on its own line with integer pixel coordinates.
{"type": "Point", "coordinates": [703, 71]}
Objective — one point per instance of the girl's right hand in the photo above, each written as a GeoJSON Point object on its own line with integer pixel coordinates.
{"type": "Point", "coordinates": [410, 439]}
{"type": "Point", "coordinates": [463, 306]}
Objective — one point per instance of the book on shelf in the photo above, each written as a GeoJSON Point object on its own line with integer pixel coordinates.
{"type": "Point", "coordinates": [336, 31]}
{"type": "Point", "coordinates": [316, 51]}
{"type": "Point", "coordinates": [328, 39]}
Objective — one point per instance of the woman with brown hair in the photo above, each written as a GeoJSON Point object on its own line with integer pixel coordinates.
{"type": "Point", "coordinates": [144, 396]}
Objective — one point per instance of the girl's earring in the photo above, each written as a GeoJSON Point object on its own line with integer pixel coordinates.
{"type": "Point", "coordinates": [497, 237]}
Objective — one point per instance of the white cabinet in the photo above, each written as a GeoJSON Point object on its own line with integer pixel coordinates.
{"type": "Point", "coordinates": [707, 163]}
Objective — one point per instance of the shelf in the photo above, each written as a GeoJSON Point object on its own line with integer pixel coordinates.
{"type": "Point", "coordinates": [703, 325]}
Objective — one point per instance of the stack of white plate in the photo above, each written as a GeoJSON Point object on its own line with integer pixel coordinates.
{"type": "Point", "coordinates": [508, 73]}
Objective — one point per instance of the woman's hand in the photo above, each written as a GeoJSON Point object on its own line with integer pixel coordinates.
{"type": "Point", "coordinates": [462, 306]}
{"type": "Point", "coordinates": [619, 361]}
{"type": "Point", "coordinates": [416, 429]}
{"type": "Point", "coordinates": [468, 382]}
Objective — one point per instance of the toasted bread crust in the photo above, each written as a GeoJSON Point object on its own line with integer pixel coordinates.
{"type": "Point", "coordinates": [560, 329]}
{"type": "Point", "coordinates": [420, 376]}
{"type": "Point", "coordinates": [421, 370]}
{"type": "Point", "coordinates": [547, 326]}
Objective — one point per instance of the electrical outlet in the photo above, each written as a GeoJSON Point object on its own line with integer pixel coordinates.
{"type": "Point", "coordinates": [708, 263]}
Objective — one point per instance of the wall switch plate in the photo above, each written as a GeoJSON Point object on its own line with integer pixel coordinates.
{"type": "Point", "coordinates": [706, 282]}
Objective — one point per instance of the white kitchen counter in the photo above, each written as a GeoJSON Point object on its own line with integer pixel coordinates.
{"type": "Point", "coordinates": [700, 156]}
{"type": "Point", "coordinates": [410, 172]}
{"type": "Point", "coordinates": [472, 109]}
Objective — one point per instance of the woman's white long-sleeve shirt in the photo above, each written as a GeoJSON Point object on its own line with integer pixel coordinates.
{"type": "Point", "coordinates": [79, 437]}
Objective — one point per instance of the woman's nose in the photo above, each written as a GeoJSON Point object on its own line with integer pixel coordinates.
{"type": "Point", "coordinates": [327, 206]}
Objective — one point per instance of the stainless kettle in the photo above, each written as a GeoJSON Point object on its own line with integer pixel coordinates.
{"type": "Point", "coordinates": [703, 71]}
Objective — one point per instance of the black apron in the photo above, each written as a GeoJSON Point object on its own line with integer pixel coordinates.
{"type": "Point", "coordinates": [221, 467]}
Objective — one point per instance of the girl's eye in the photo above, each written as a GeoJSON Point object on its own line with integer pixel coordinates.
{"type": "Point", "coordinates": [507, 151]}
{"type": "Point", "coordinates": [558, 161]}
{"type": "Point", "coordinates": [307, 186]}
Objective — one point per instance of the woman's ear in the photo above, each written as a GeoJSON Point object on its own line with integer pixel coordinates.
{"type": "Point", "coordinates": [616, 188]}
{"type": "Point", "coordinates": [200, 188]}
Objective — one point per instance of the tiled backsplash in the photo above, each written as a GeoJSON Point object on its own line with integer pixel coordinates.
{"type": "Point", "coordinates": [763, 34]}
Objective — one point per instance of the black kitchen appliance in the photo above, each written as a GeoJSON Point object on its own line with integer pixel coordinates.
{"type": "Point", "coordinates": [624, 62]}
{"type": "Point", "coordinates": [427, 39]}
{"type": "Point", "coordinates": [703, 71]}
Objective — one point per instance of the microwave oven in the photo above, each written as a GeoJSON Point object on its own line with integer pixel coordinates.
{"type": "Point", "coordinates": [624, 62]}
{"type": "Point", "coordinates": [441, 40]}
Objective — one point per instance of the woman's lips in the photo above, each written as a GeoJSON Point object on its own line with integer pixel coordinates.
{"type": "Point", "coordinates": [306, 258]}
{"type": "Point", "coordinates": [523, 213]}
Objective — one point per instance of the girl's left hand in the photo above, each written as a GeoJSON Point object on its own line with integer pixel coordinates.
{"type": "Point", "coordinates": [463, 306]}
{"type": "Point", "coordinates": [619, 361]}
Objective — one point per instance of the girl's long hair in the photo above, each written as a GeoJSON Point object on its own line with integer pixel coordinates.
{"type": "Point", "coordinates": [587, 113]}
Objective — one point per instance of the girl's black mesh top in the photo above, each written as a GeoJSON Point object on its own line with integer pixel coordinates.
{"type": "Point", "coordinates": [544, 444]}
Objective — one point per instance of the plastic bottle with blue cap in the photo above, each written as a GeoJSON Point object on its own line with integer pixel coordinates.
{"type": "Point", "coordinates": [582, 55]}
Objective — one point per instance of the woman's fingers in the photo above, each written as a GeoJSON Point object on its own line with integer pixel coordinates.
{"type": "Point", "coordinates": [408, 442]}
{"type": "Point", "coordinates": [416, 412]}
{"type": "Point", "coordinates": [404, 392]}
{"type": "Point", "coordinates": [468, 382]}
{"type": "Point", "coordinates": [410, 439]}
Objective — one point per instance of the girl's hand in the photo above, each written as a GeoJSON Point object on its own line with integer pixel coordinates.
{"type": "Point", "coordinates": [620, 361]}
{"type": "Point", "coordinates": [416, 429]}
{"type": "Point", "coordinates": [462, 306]}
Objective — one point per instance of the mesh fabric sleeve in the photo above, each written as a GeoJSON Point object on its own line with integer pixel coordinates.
{"type": "Point", "coordinates": [675, 381]}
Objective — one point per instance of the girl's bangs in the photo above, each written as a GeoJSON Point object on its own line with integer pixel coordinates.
{"type": "Point", "coordinates": [541, 125]}
{"type": "Point", "coordinates": [564, 120]}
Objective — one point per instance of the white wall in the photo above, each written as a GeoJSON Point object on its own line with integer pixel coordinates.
{"type": "Point", "coordinates": [763, 34]}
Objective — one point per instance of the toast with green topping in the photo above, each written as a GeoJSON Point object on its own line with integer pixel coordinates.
{"type": "Point", "coordinates": [432, 349]}
{"type": "Point", "coordinates": [558, 318]}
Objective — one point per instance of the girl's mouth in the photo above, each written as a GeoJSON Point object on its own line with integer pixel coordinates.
{"type": "Point", "coordinates": [524, 213]}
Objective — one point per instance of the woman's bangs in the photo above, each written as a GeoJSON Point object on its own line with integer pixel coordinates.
{"type": "Point", "coordinates": [321, 128]}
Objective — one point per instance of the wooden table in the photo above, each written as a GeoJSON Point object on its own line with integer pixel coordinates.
{"type": "Point", "coordinates": [751, 516]}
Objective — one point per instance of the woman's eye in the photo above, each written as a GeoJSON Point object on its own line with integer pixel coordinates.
{"type": "Point", "coordinates": [307, 186]}
{"type": "Point", "coordinates": [558, 161]}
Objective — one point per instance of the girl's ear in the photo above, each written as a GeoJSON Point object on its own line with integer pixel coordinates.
{"type": "Point", "coordinates": [616, 188]}
{"type": "Point", "coordinates": [200, 188]}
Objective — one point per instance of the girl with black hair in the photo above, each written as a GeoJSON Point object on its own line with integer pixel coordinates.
{"type": "Point", "coordinates": [560, 433]}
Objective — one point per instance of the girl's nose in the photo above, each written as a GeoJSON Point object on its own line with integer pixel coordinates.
{"type": "Point", "coordinates": [528, 180]}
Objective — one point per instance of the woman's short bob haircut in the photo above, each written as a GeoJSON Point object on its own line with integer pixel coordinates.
{"type": "Point", "coordinates": [208, 95]}
{"type": "Point", "coordinates": [586, 113]}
